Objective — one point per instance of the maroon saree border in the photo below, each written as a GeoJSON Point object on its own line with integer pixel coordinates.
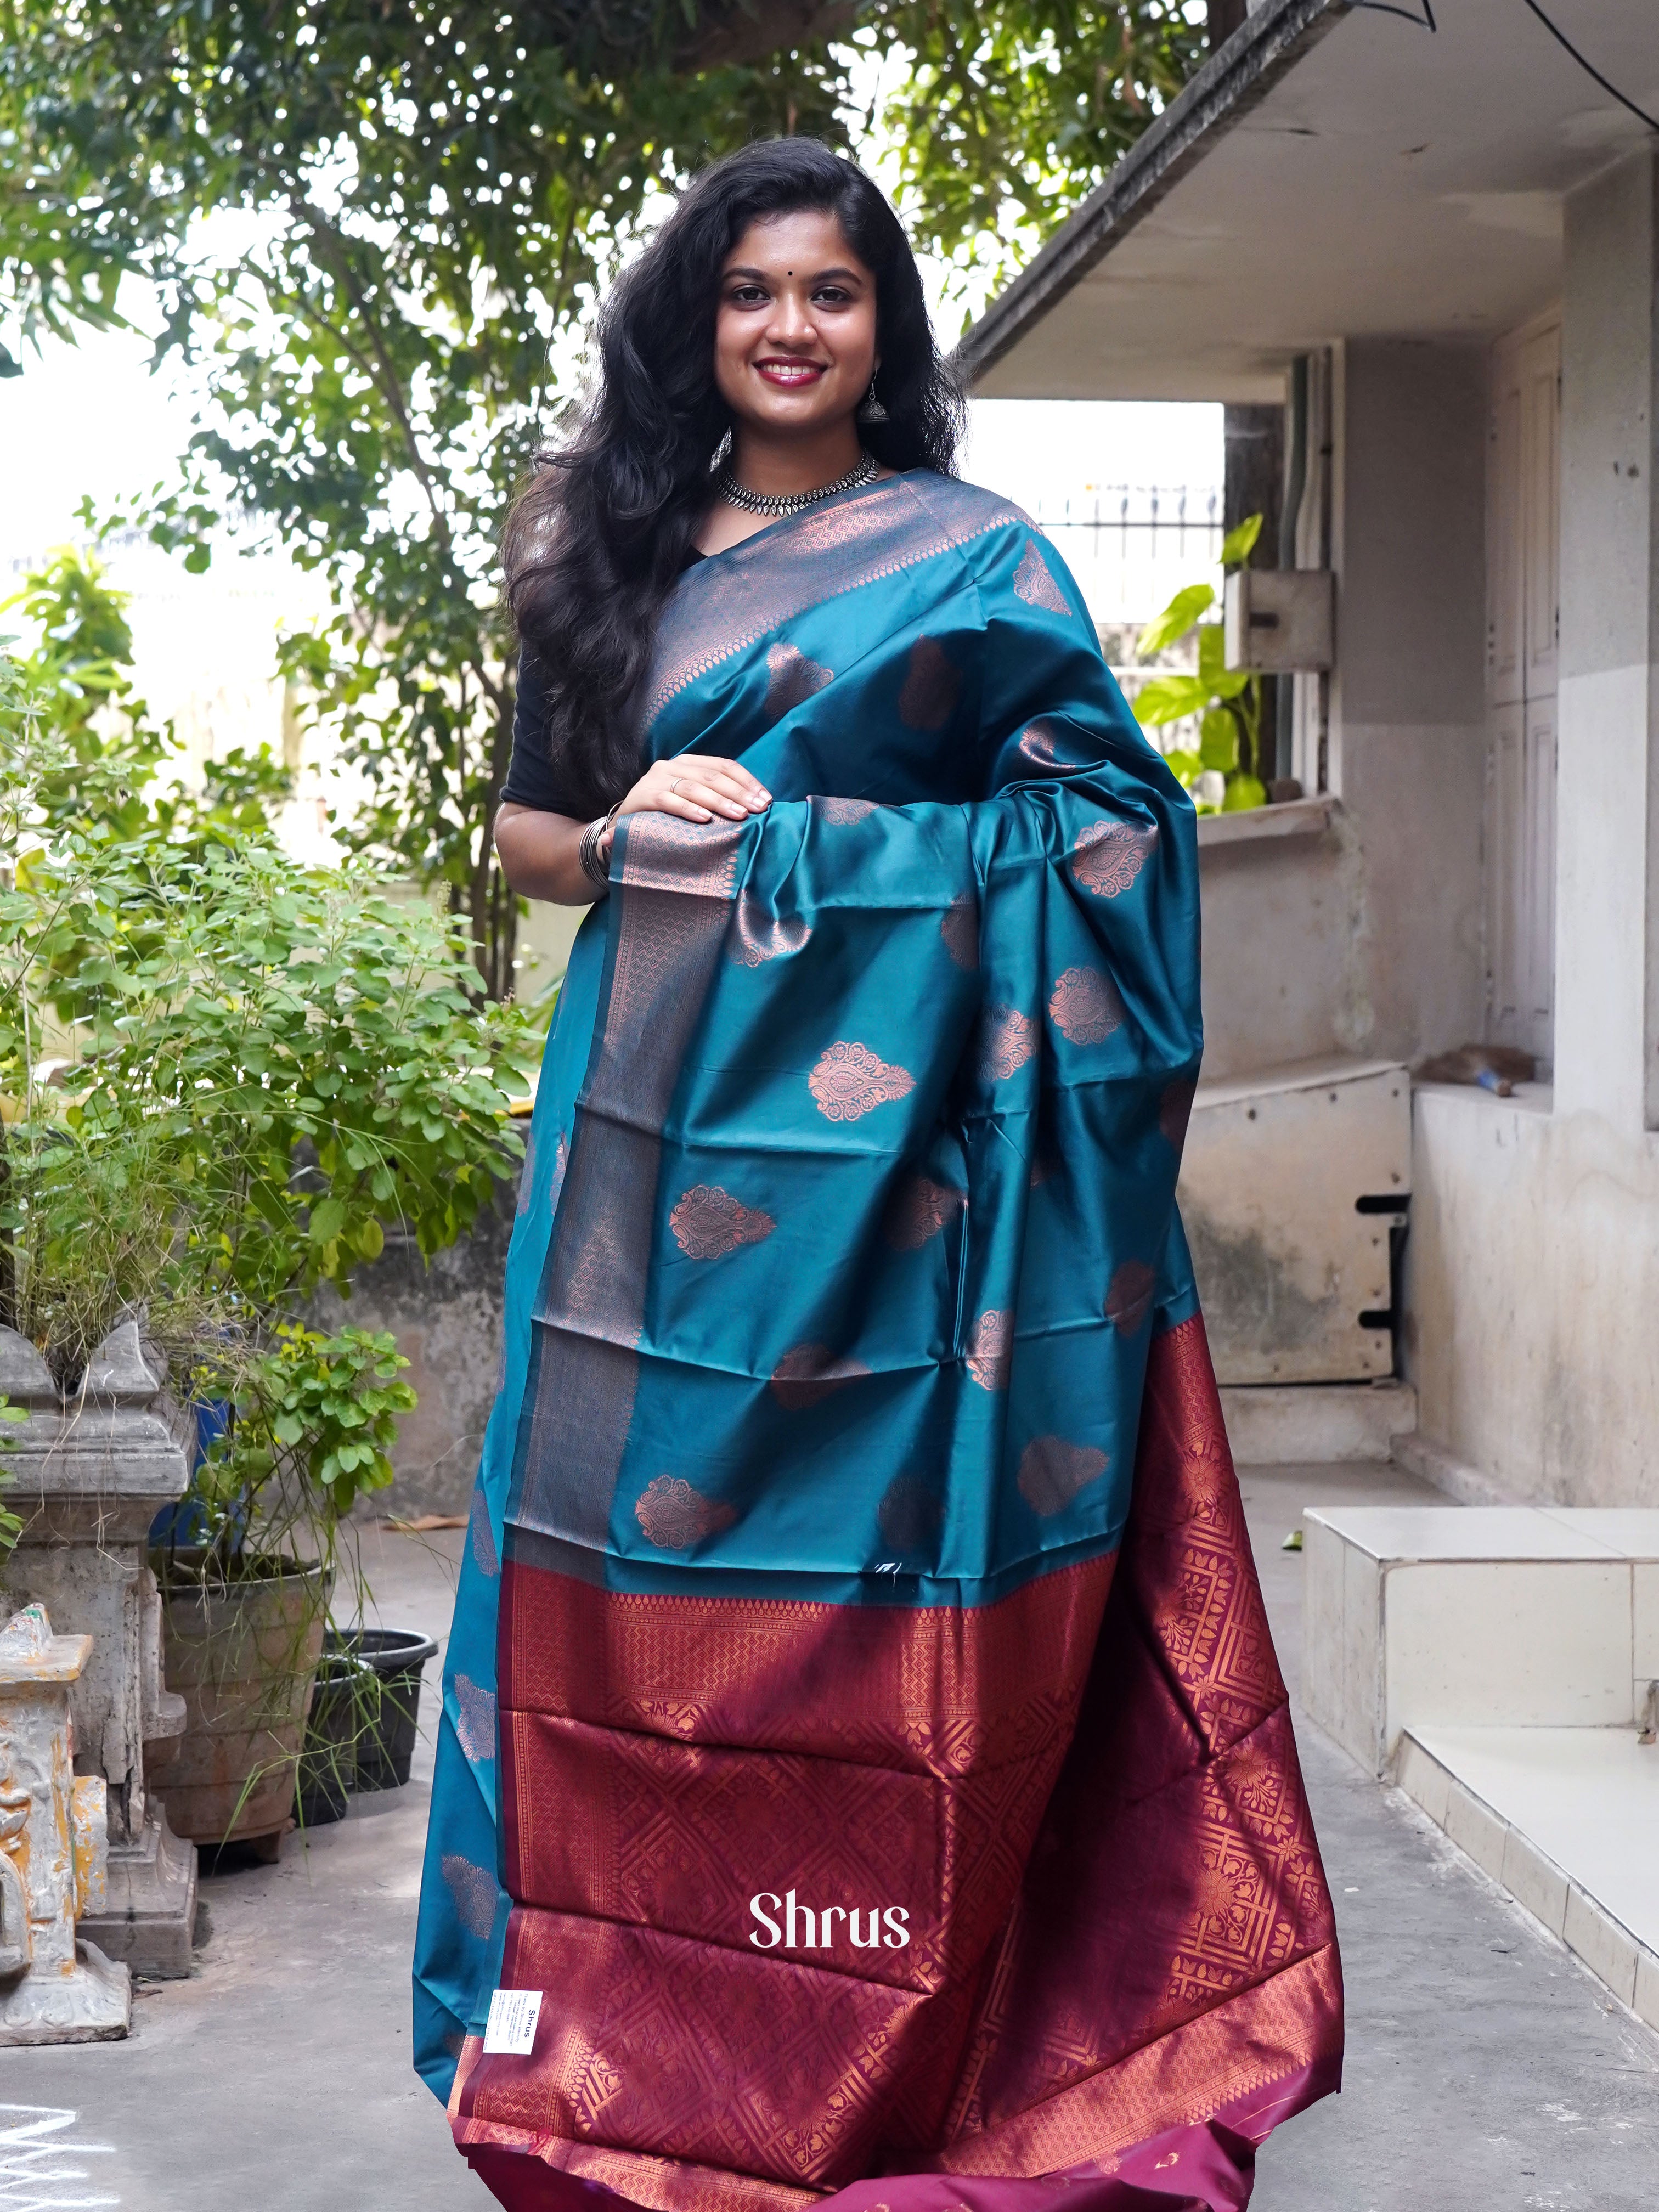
{"type": "Point", "coordinates": [1201, 2166]}
{"type": "Point", "coordinates": [1165, 1989]}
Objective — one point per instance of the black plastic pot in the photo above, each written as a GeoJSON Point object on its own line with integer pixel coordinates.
{"type": "Point", "coordinates": [364, 1718]}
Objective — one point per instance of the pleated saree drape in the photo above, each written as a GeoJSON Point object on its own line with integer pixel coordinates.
{"type": "Point", "coordinates": [860, 1725]}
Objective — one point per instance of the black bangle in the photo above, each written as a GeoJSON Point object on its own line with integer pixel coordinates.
{"type": "Point", "coordinates": [587, 854]}
{"type": "Point", "coordinates": [597, 870]}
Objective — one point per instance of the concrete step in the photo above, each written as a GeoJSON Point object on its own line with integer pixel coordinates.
{"type": "Point", "coordinates": [1484, 1616]}
{"type": "Point", "coordinates": [1292, 1424]}
{"type": "Point", "coordinates": [1567, 1819]}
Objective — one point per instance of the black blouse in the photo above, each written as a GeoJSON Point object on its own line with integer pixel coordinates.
{"type": "Point", "coordinates": [533, 778]}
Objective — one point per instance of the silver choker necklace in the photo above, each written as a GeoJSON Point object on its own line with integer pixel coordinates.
{"type": "Point", "coordinates": [790, 502]}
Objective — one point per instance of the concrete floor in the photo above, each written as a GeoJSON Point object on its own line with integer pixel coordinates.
{"type": "Point", "coordinates": [279, 2075]}
{"type": "Point", "coordinates": [1486, 2070]}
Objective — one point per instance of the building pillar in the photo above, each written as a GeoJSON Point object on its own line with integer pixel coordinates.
{"type": "Point", "coordinates": [1407, 698]}
{"type": "Point", "coordinates": [1606, 965]}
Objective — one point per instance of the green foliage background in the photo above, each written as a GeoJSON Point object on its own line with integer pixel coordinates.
{"type": "Point", "coordinates": [1226, 703]}
{"type": "Point", "coordinates": [221, 1078]}
{"type": "Point", "coordinates": [373, 226]}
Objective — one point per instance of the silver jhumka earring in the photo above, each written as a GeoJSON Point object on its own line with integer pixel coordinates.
{"type": "Point", "coordinates": [872, 409]}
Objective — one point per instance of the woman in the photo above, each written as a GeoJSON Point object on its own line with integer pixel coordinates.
{"type": "Point", "coordinates": [864, 1772]}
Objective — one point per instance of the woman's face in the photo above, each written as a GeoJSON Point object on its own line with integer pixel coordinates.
{"type": "Point", "coordinates": [795, 334]}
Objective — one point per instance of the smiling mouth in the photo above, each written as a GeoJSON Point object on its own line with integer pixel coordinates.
{"type": "Point", "coordinates": [790, 371]}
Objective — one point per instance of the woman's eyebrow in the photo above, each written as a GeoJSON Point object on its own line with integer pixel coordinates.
{"type": "Point", "coordinates": [765, 276]}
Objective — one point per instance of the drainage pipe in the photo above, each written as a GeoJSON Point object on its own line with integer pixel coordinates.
{"type": "Point", "coordinates": [1295, 485]}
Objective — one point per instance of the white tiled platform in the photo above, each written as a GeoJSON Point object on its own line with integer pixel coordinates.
{"type": "Point", "coordinates": [1568, 1820]}
{"type": "Point", "coordinates": [1496, 1661]}
{"type": "Point", "coordinates": [1500, 1616]}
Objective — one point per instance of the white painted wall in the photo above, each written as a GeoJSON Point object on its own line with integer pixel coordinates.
{"type": "Point", "coordinates": [1607, 910]}
{"type": "Point", "coordinates": [1533, 1284]}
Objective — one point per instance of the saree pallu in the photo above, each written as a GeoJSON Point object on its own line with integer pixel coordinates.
{"type": "Point", "coordinates": [860, 1725]}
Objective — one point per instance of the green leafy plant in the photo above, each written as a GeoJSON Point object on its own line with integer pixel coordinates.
{"type": "Point", "coordinates": [1227, 701]}
{"type": "Point", "coordinates": [114, 771]}
{"type": "Point", "coordinates": [306, 1418]}
{"type": "Point", "coordinates": [223, 1079]}
{"type": "Point", "coordinates": [11, 1526]}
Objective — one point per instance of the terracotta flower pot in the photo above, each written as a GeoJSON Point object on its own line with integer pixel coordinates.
{"type": "Point", "coordinates": [244, 1656]}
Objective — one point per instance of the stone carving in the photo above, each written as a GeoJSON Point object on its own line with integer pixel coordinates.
{"type": "Point", "coordinates": [53, 1850]}
{"type": "Point", "coordinates": [92, 1470]}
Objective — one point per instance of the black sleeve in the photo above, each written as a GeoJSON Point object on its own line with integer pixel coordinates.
{"type": "Point", "coordinates": [533, 780]}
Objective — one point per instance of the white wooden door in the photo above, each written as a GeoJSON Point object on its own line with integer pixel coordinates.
{"type": "Point", "coordinates": [1522, 593]}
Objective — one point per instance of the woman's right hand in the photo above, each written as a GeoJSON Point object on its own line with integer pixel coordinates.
{"type": "Point", "coordinates": [541, 853]}
{"type": "Point", "coordinates": [697, 787]}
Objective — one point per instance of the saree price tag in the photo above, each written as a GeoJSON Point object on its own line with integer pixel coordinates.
{"type": "Point", "coordinates": [510, 2031]}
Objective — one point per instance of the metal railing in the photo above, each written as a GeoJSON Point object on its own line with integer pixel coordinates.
{"type": "Point", "coordinates": [1180, 522]}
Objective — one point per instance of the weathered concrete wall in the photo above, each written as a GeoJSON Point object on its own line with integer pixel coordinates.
{"type": "Point", "coordinates": [1607, 876]}
{"type": "Point", "coordinates": [1279, 916]}
{"type": "Point", "coordinates": [1367, 940]}
{"type": "Point", "coordinates": [1535, 1249]}
{"type": "Point", "coordinates": [1532, 1284]}
{"type": "Point", "coordinates": [446, 1318]}
{"type": "Point", "coordinates": [1408, 697]}
{"type": "Point", "coordinates": [1532, 1267]}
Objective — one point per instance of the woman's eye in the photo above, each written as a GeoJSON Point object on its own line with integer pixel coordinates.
{"type": "Point", "coordinates": [747, 296]}
{"type": "Point", "coordinates": [832, 295]}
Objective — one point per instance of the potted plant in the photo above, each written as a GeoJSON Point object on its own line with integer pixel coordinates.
{"type": "Point", "coordinates": [365, 1716]}
{"type": "Point", "coordinates": [224, 1075]}
{"type": "Point", "coordinates": [310, 1420]}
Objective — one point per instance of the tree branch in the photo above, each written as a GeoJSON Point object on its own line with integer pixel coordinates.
{"type": "Point", "coordinates": [728, 35]}
{"type": "Point", "coordinates": [335, 253]}
{"type": "Point", "coordinates": [724, 33]}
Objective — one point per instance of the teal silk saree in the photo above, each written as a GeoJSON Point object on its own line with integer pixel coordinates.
{"type": "Point", "coordinates": [861, 1730]}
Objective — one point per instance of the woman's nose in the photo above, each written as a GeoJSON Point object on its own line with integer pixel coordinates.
{"type": "Point", "coordinates": [790, 322]}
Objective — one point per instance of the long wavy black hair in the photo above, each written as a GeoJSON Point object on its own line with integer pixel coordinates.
{"type": "Point", "coordinates": [597, 537]}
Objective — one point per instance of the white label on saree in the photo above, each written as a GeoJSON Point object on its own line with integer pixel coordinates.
{"type": "Point", "coordinates": [510, 2031]}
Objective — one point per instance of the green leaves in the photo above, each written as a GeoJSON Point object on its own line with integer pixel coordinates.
{"type": "Point", "coordinates": [1218, 741]}
{"type": "Point", "coordinates": [1224, 683]}
{"type": "Point", "coordinates": [11, 1526]}
{"type": "Point", "coordinates": [328, 1219]}
{"type": "Point", "coordinates": [257, 1069]}
{"type": "Point", "coordinates": [1008, 115]}
{"type": "Point", "coordinates": [316, 1413]}
{"type": "Point", "coordinates": [265, 1065]}
{"type": "Point", "coordinates": [1177, 619]}
{"type": "Point", "coordinates": [1243, 792]}
{"type": "Point", "coordinates": [1239, 544]}
{"type": "Point", "coordinates": [1225, 702]}
{"type": "Point", "coordinates": [1170, 699]}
